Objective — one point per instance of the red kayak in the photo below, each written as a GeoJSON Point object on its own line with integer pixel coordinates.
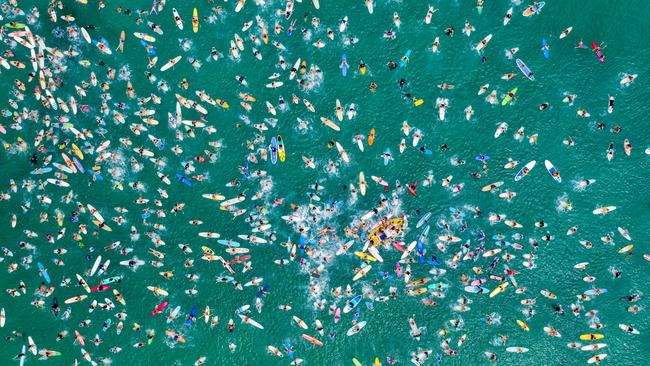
{"type": "Point", "coordinates": [411, 188]}
{"type": "Point", "coordinates": [599, 54]}
{"type": "Point", "coordinates": [100, 288]}
{"type": "Point", "coordinates": [159, 308]}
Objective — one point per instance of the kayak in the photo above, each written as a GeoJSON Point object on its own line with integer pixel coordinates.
{"type": "Point", "coordinates": [599, 54]}
{"type": "Point", "coordinates": [553, 171]}
{"type": "Point", "coordinates": [525, 170]}
{"type": "Point", "coordinates": [525, 70]}
{"type": "Point", "coordinates": [509, 96]}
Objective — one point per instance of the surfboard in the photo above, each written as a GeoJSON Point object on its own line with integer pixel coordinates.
{"type": "Point", "coordinates": [545, 48]}
{"type": "Point", "coordinates": [508, 96]}
{"type": "Point", "coordinates": [604, 210]}
{"type": "Point", "coordinates": [481, 45]}
{"type": "Point", "coordinates": [329, 123]}
{"type": "Point", "coordinates": [195, 20]}
{"type": "Point", "coordinates": [170, 63]}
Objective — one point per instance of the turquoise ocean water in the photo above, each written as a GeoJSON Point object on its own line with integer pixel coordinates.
{"type": "Point", "coordinates": [622, 26]}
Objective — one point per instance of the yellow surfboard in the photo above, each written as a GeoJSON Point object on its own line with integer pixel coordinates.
{"type": "Point", "coordinates": [626, 248]}
{"type": "Point", "coordinates": [195, 21]}
{"type": "Point", "coordinates": [77, 151]}
{"type": "Point", "coordinates": [499, 289]}
{"type": "Point", "coordinates": [591, 337]}
{"type": "Point", "coordinates": [523, 325]}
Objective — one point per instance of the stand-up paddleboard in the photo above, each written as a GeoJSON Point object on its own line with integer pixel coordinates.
{"type": "Point", "coordinates": [533, 9]}
{"type": "Point", "coordinates": [356, 328]}
{"type": "Point", "coordinates": [281, 152]}
{"type": "Point", "coordinates": [525, 170]}
{"type": "Point", "coordinates": [553, 171]}
{"type": "Point", "coordinates": [344, 65]}
{"type": "Point", "coordinates": [525, 70]}
{"type": "Point", "coordinates": [274, 150]}
{"type": "Point", "coordinates": [599, 54]}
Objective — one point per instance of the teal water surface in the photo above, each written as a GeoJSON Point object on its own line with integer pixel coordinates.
{"type": "Point", "coordinates": [622, 182]}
